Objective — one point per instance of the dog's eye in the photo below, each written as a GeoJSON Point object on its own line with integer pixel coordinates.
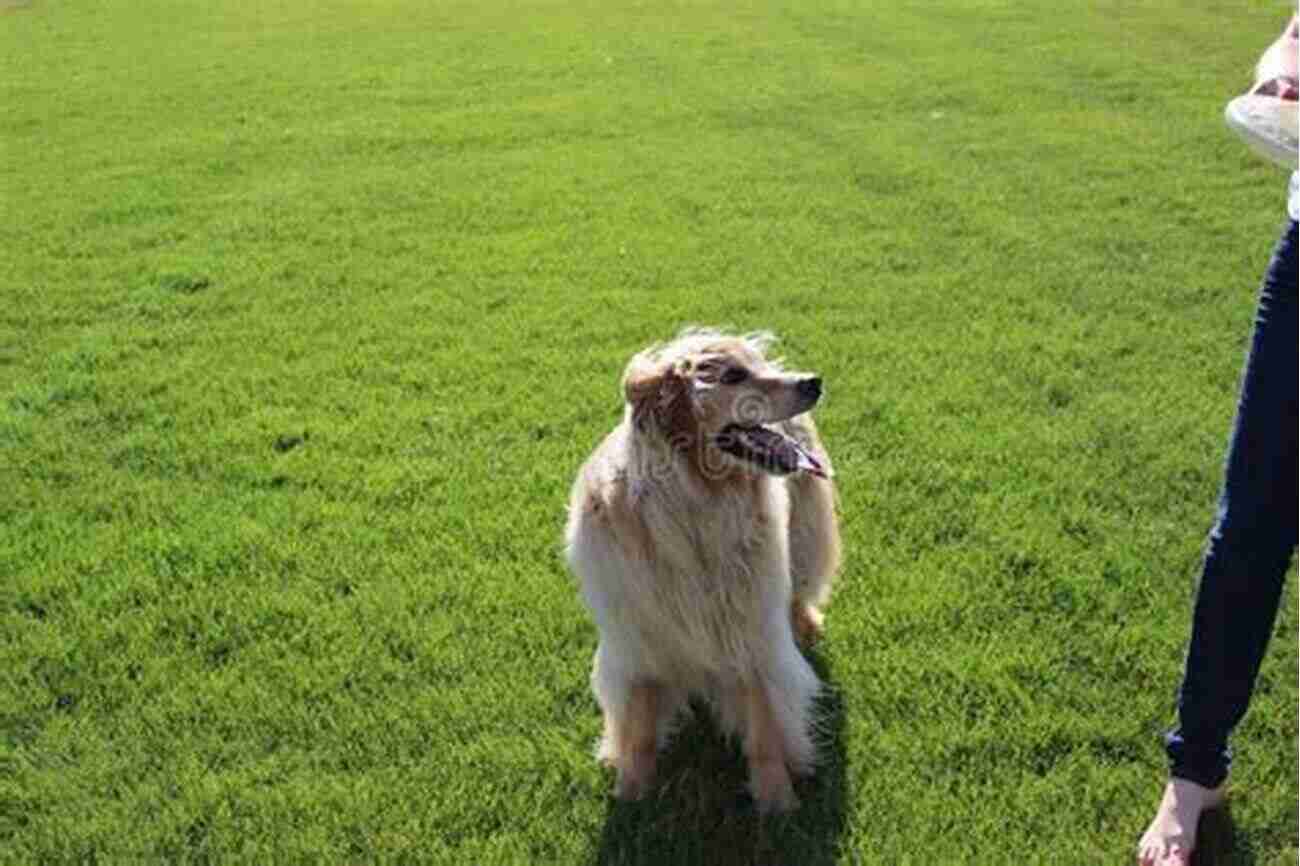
{"type": "Point", "coordinates": [733, 376]}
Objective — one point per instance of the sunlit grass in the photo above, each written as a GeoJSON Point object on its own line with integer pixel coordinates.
{"type": "Point", "coordinates": [310, 311]}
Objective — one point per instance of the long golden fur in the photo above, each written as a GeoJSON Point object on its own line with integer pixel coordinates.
{"type": "Point", "coordinates": [704, 543]}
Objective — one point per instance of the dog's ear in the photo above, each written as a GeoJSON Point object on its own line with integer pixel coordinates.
{"type": "Point", "coordinates": [655, 390]}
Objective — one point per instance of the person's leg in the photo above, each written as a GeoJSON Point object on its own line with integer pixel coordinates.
{"type": "Point", "coordinates": [1250, 546]}
{"type": "Point", "coordinates": [1246, 559]}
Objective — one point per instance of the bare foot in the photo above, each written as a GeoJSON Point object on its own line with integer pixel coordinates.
{"type": "Point", "coordinates": [1172, 834]}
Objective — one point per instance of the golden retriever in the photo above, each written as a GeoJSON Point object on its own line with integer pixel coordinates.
{"type": "Point", "coordinates": [704, 536]}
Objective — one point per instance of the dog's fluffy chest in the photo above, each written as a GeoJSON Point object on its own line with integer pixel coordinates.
{"type": "Point", "coordinates": [738, 515]}
{"type": "Point", "coordinates": [730, 550]}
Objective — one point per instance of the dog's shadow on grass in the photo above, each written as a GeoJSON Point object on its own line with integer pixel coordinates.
{"type": "Point", "coordinates": [699, 812]}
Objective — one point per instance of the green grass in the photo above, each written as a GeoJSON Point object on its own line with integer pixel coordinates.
{"type": "Point", "coordinates": [310, 310]}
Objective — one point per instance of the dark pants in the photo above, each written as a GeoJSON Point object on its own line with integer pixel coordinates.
{"type": "Point", "coordinates": [1250, 546]}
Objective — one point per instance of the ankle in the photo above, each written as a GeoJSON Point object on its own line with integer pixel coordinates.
{"type": "Point", "coordinates": [1188, 793]}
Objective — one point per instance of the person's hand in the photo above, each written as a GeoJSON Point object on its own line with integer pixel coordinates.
{"type": "Point", "coordinates": [1275, 74]}
{"type": "Point", "coordinates": [1267, 117]}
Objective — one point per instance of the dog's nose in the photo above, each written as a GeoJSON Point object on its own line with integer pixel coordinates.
{"type": "Point", "coordinates": [811, 388]}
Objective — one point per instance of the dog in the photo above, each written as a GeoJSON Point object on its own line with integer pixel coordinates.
{"type": "Point", "coordinates": [703, 534]}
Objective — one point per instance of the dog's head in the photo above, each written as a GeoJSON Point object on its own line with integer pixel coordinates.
{"type": "Point", "coordinates": [714, 397]}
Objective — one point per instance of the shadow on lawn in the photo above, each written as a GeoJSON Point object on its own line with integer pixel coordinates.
{"type": "Point", "coordinates": [700, 814]}
{"type": "Point", "coordinates": [1217, 841]}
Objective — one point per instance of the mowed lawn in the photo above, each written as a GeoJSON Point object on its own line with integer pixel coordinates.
{"type": "Point", "coordinates": [311, 309]}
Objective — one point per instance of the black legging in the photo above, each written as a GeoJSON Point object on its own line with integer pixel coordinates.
{"type": "Point", "coordinates": [1252, 541]}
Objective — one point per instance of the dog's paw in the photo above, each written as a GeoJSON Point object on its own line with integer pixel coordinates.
{"type": "Point", "coordinates": [636, 775]}
{"type": "Point", "coordinates": [769, 782]}
{"type": "Point", "coordinates": [777, 799]}
{"type": "Point", "coordinates": [629, 788]}
{"type": "Point", "coordinates": [807, 622]}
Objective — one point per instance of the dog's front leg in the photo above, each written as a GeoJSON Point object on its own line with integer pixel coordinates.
{"type": "Point", "coordinates": [635, 733]}
{"type": "Point", "coordinates": [769, 776]}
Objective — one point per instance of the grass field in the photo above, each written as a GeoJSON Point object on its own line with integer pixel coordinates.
{"type": "Point", "coordinates": [310, 310]}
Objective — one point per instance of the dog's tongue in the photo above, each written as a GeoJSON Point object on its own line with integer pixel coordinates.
{"type": "Point", "coordinates": [781, 453]}
{"type": "Point", "coordinates": [809, 463]}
